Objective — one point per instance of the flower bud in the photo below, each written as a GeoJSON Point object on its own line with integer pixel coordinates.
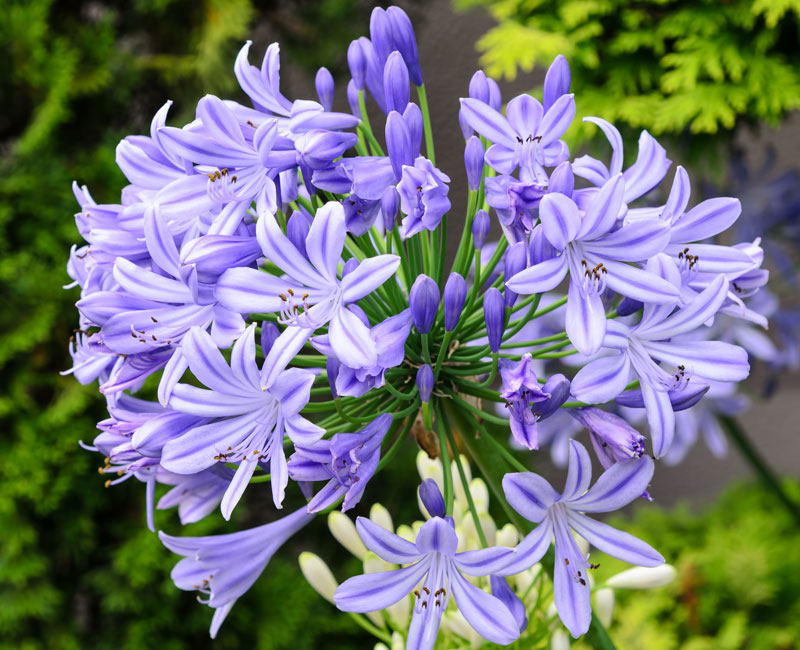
{"type": "Point", "coordinates": [455, 294]}
{"type": "Point", "coordinates": [413, 119]}
{"type": "Point", "coordinates": [507, 536]}
{"type": "Point", "coordinates": [325, 87]}
{"type": "Point", "coordinates": [378, 514]}
{"type": "Point", "coordinates": [556, 81]}
{"type": "Point", "coordinates": [357, 63]}
{"type": "Point", "coordinates": [396, 86]}
{"type": "Point", "coordinates": [612, 437]}
{"type": "Point", "coordinates": [559, 640]}
{"type": "Point", "coordinates": [473, 161]}
{"type": "Point", "coordinates": [428, 467]}
{"type": "Point", "coordinates": [562, 180]}
{"type": "Point", "coordinates": [352, 99]}
{"type": "Point", "coordinates": [495, 98]}
{"type": "Point", "coordinates": [424, 302]}
{"type": "Point", "coordinates": [628, 306]}
{"type": "Point", "coordinates": [406, 42]}
{"type": "Point", "coordinates": [380, 33]}
{"type": "Point", "coordinates": [604, 605]}
{"type": "Point", "coordinates": [425, 382]}
{"type": "Point", "coordinates": [479, 87]}
{"type": "Point", "coordinates": [344, 531]}
{"type": "Point", "coordinates": [398, 143]}
{"type": "Point", "coordinates": [558, 387]}
{"type": "Point", "coordinates": [432, 498]}
{"type": "Point", "coordinates": [297, 230]}
{"type": "Point", "coordinates": [494, 313]}
{"type": "Point", "coordinates": [332, 369]}
{"type": "Point", "coordinates": [269, 334]}
{"type": "Point", "coordinates": [540, 249]}
{"type": "Point", "coordinates": [641, 577]}
{"type": "Point", "coordinates": [516, 261]}
{"type": "Point", "coordinates": [390, 207]}
{"type": "Point", "coordinates": [318, 575]}
{"type": "Point", "coordinates": [480, 228]}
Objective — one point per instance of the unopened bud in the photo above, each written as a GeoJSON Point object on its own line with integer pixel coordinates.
{"type": "Point", "coordinates": [556, 81]}
{"type": "Point", "coordinates": [480, 228]}
{"type": "Point", "coordinates": [424, 301]}
{"type": "Point", "coordinates": [494, 313]}
{"type": "Point", "coordinates": [425, 381]}
{"type": "Point", "coordinates": [432, 498]}
{"type": "Point", "coordinates": [641, 577]}
{"type": "Point", "coordinates": [455, 295]}
{"type": "Point", "coordinates": [516, 261]}
{"type": "Point", "coordinates": [390, 207]}
{"type": "Point", "coordinates": [378, 514]}
{"type": "Point", "coordinates": [396, 87]}
{"type": "Point", "coordinates": [325, 87]}
{"type": "Point", "coordinates": [473, 162]}
{"type": "Point", "coordinates": [318, 574]}
{"type": "Point", "coordinates": [344, 531]}
{"type": "Point", "coordinates": [358, 65]}
{"type": "Point", "coordinates": [604, 605]}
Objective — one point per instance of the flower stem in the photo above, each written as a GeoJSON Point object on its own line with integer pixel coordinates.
{"type": "Point", "coordinates": [372, 629]}
{"type": "Point", "coordinates": [426, 122]}
{"type": "Point", "coordinates": [447, 471]}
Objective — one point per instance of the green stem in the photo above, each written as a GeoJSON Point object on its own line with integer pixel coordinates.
{"type": "Point", "coordinates": [426, 122]}
{"type": "Point", "coordinates": [364, 623]}
{"type": "Point", "coordinates": [447, 471]}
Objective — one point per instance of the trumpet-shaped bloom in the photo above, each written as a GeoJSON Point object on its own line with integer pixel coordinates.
{"type": "Point", "coordinates": [536, 500]}
{"type": "Point", "coordinates": [310, 295]}
{"type": "Point", "coordinates": [434, 563]}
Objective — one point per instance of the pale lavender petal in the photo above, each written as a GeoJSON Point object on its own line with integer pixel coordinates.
{"type": "Point", "coordinates": [488, 616]}
{"type": "Point", "coordinates": [249, 291]}
{"type": "Point", "coordinates": [375, 591]}
{"type": "Point", "coordinates": [280, 251]}
{"type": "Point", "coordinates": [571, 598]}
{"type": "Point", "coordinates": [633, 282]}
{"type": "Point", "coordinates": [243, 358]}
{"type": "Point", "coordinates": [591, 169]}
{"type": "Point", "coordinates": [220, 614]}
{"type": "Point", "coordinates": [660, 417]}
{"type": "Point", "coordinates": [437, 535]}
{"type": "Point", "coordinates": [524, 113]}
{"type": "Point", "coordinates": [147, 284]}
{"type": "Point", "coordinates": [603, 210]}
{"type": "Point", "coordinates": [634, 242]}
{"type": "Point", "coordinates": [279, 474]}
{"type": "Point", "coordinates": [173, 371]}
{"type": "Point", "coordinates": [541, 277]}
{"type": "Point", "coordinates": [649, 169]}
{"type": "Point", "coordinates": [219, 121]}
{"type": "Point", "coordinates": [560, 219]}
{"type": "Point", "coordinates": [601, 380]}
{"type": "Point", "coordinates": [386, 545]}
{"type": "Point", "coordinates": [485, 561]}
{"type": "Point", "coordinates": [209, 403]}
{"type": "Point", "coordinates": [288, 344]}
{"type": "Point", "coordinates": [529, 494]}
{"type": "Point", "coordinates": [557, 119]}
{"type": "Point", "coordinates": [325, 239]}
{"type": "Point", "coordinates": [706, 219]}
{"type": "Point", "coordinates": [715, 360]}
{"type": "Point", "coordinates": [293, 390]}
{"type": "Point", "coordinates": [614, 139]}
{"type": "Point", "coordinates": [617, 486]}
{"type": "Point", "coordinates": [200, 447]}
{"type": "Point", "coordinates": [678, 196]}
{"type": "Point", "coordinates": [368, 276]}
{"type": "Point", "coordinates": [579, 474]}
{"type": "Point", "coordinates": [585, 319]}
{"type": "Point", "coordinates": [712, 258]}
{"type": "Point", "coordinates": [488, 122]}
{"type": "Point", "coordinates": [616, 543]}
{"type": "Point", "coordinates": [501, 158]}
{"type": "Point", "coordinates": [208, 364]}
{"type": "Point", "coordinates": [351, 340]}
{"type": "Point", "coordinates": [160, 242]}
{"type": "Point", "coordinates": [530, 550]}
{"type": "Point", "coordinates": [237, 487]}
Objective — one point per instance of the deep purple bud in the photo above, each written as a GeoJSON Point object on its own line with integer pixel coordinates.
{"type": "Point", "coordinates": [495, 98]}
{"type": "Point", "coordinates": [516, 261]}
{"type": "Point", "coordinates": [455, 294]}
{"type": "Point", "coordinates": [479, 87]}
{"type": "Point", "coordinates": [380, 33]}
{"type": "Point", "coordinates": [352, 98]}
{"type": "Point", "coordinates": [506, 595]}
{"type": "Point", "coordinates": [473, 161]}
{"type": "Point", "coordinates": [612, 437]}
{"type": "Point", "coordinates": [332, 368]}
{"type": "Point", "coordinates": [494, 313]}
{"type": "Point", "coordinates": [374, 72]}
{"type": "Point", "coordinates": [349, 266]}
{"type": "Point", "coordinates": [628, 306]}
{"type": "Point", "coordinates": [556, 82]}
{"type": "Point", "coordinates": [358, 64]}
{"type": "Point", "coordinates": [297, 230]}
{"type": "Point", "coordinates": [413, 119]}
{"type": "Point", "coordinates": [269, 334]}
{"type": "Point", "coordinates": [480, 228]}
{"type": "Point", "coordinates": [540, 249]}
{"type": "Point", "coordinates": [406, 42]}
{"type": "Point", "coordinates": [398, 143]}
{"type": "Point", "coordinates": [425, 382]}
{"type": "Point", "coordinates": [562, 180]}
{"type": "Point", "coordinates": [396, 87]}
{"type": "Point", "coordinates": [424, 301]}
{"type": "Point", "coordinates": [324, 84]}
{"type": "Point", "coordinates": [432, 497]}
{"type": "Point", "coordinates": [557, 387]}
{"type": "Point", "coordinates": [390, 207]}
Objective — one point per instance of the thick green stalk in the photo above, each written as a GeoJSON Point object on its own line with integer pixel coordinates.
{"type": "Point", "coordinates": [426, 122]}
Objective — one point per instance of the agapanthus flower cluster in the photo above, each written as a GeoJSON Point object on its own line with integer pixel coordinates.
{"type": "Point", "coordinates": [272, 301]}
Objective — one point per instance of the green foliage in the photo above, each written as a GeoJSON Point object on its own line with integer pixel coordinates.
{"type": "Point", "coordinates": [78, 569]}
{"type": "Point", "coordinates": [737, 581]}
{"type": "Point", "coordinates": [669, 66]}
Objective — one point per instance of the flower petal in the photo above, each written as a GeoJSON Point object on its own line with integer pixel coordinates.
{"type": "Point", "coordinates": [616, 543]}
{"type": "Point", "coordinates": [601, 380]}
{"type": "Point", "coordinates": [437, 536]}
{"type": "Point", "coordinates": [485, 561]}
{"type": "Point", "coordinates": [560, 219]}
{"type": "Point", "coordinates": [706, 219]}
{"type": "Point", "coordinates": [541, 277]}
{"type": "Point", "coordinates": [248, 291]}
{"type": "Point", "coordinates": [488, 122]}
{"type": "Point", "coordinates": [279, 250]}
{"type": "Point", "coordinates": [325, 239]}
{"type": "Point", "coordinates": [375, 591]}
{"type": "Point", "coordinates": [649, 169]}
{"type": "Point", "coordinates": [579, 474]}
{"type": "Point", "coordinates": [715, 360]}
{"type": "Point", "coordinates": [385, 544]}
{"type": "Point", "coordinates": [524, 114]}
{"type": "Point", "coordinates": [557, 119]}
{"type": "Point", "coordinates": [585, 319]}
{"type": "Point", "coordinates": [617, 486]}
{"type": "Point", "coordinates": [660, 417]}
{"type": "Point", "coordinates": [633, 282]}
{"type": "Point", "coordinates": [634, 242]}
{"type": "Point", "coordinates": [529, 494]}
{"type": "Point", "coordinates": [351, 341]}
{"type": "Point", "coordinates": [208, 365]}
{"type": "Point", "coordinates": [288, 344]}
{"type": "Point", "coordinates": [571, 598]}
{"type": "Point", "coordinates": [237, 487]}
{"type": "Point", "coordinates": [603, 210]}
{"type": "Point", "coordinates": [487, 615]}
{"type": "Point", "coordinates": [530, 550]}
{"type": "Point", "coordinates": [368, 276]}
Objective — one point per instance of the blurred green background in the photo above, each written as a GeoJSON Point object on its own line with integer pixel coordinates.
{"type": "Point", "coordinates": [78, 569]}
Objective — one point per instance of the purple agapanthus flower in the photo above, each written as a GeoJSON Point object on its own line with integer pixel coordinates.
{"type": "Point", "coordinates": [557, 514]}
{"type": "Point", "coordinates": [310, 295]}
{"type": "Point", "coordinates": [249, 422]}
{"type": "Point", "coordinates": [595, 258]}
{"type": "Point", "coordinates": [522, 391]}
{"type": "Point", "coordinates": [435, 563]}
{"type": "Point", "coordinates": [423, 196]}
{"type": "Point", "coordinates": [224, 567]}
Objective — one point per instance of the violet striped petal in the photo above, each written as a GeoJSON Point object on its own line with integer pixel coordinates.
{"type": "Point", "coordinates": [243, 358]}
{"type": "Point", "coordinates": [437, 536]}
{"type": "Point", "coordinates": [144, 283]}
{"type": "Point", "coordinates": [173, 371]}
{"type": "Point", "coordinates": [617, 486]}
{"type": "Point", "coordinates": [485, 561]}
{"type": "Point", "coordinates": [524, 114]}
{"type": "Point", "coordinates": [678, 197]}
{"type": "Point", "coordinates": [616, 543]}
{"type": "Point", "coordinates": [237, 486]}
{"type": "Point", "coordinates": [249, 291]}
{"type": "Point", "coordinates": [302, 431]}
{"type": "Point", "coordinates": [603, 210]}
{"type": "Point", "coordinates": [279, 473]}
{"type": "Point", "coordinates": [202, 150]}
{"type": "Point", "coordinates": [570, 596]}
{"type": "Point", "coordinates": [288, 344]}
{"type": "Point", "coordinates": [715, 360]}
{"type": "Point", "coordinates": [219, 121]}
{"type": "Point", "coordinates": [386, 545]}
{"type": "Point", "coordinates": [368, 276]}
{"type": "Point", "coordinates": [706, 219]}
{"type": "Point", "coordinates": [487, 615]}
{"type": "Point", "coordinates": [591, 169]}
{"type": "Point", "coordinates": [585, 319]}
{"type": "Point", "coordinates": [350, 339]}
{"type": "Point", "coordinates": [614, 139]}
{"type": "Point", "coordinates": [375, 591]}
{"type": "Point", "coordinates": [500, 158]}
{"type": "Point", "coordinates": [529, 494]}
{"type": "Point", "coordinates": [601, 380]}
{"type": "Point", "coordinates": [293, 390]}
{"type": "Point", "coordinates": [280, 251]}
{"type": "Point", "coordinates": [712, 258]}
{"type": "Point", "coordinates": [530, 550]}
{"type": "Point", "coordinates": [579, 474]}
{"type": "Point", "coordinates": [634, 242]}
{"type": "Point", "coordinates": [633, 282]}
{"type": "Point", "coordinates": [209, 403]}
{"type": "Point", "coordinates": [541, 277]}
{"type": "Point", "coordinates": [488, 122]}
{"type": "Point", "coordinates": [560, 219]}
{"type": "Point", "coordinates": [325, 240]}
{"type": "Point", "coordinates": [660, 417]}
{"type": "Point", "coordinates": [649, 169]}
{"type": "Point", "coordinates": [557, 119]}
{"type": "Point", "coordinates": [208, 365]}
